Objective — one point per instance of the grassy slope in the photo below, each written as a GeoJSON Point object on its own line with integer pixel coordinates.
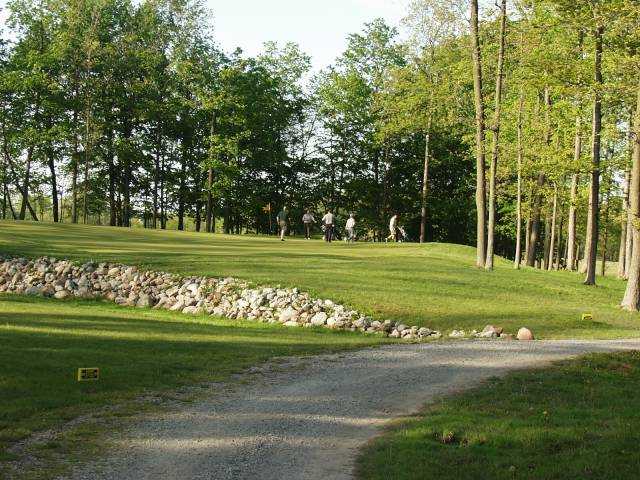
{"type": "Point", "coordinates": [434, 285]}
{"type": "Point", "coordinates": [45, 341]}
{"type": "Point", "coordinates": [579, 419]}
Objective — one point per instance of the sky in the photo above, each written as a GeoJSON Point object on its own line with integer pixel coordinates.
{"type": "Point", "coordinates": [320, 27]}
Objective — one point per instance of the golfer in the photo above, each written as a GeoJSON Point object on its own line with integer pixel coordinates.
{"type": "Point", "coordinates": [308, 220]}
{"type": "Point", "coordinates": [350, 227]}
{"type": "Point", "coordinates": [328, 221]}
{"type": "Point", "coordinates": [282, 222]}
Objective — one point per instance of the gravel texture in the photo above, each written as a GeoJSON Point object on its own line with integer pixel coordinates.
{"type": "Point", "coordinates": [307, 418]}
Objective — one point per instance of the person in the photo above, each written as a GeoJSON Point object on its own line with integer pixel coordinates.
{"type": "Point", "coordinates": [350, 228]}
{"type": "Point", "coordinates": [308, 221]}
{"type": "Point", "coordinates": [282, 222]}
{"type": "Point", "coordinates": [327, 221]}
{"type": "Point", "coordinates": [394, 232]}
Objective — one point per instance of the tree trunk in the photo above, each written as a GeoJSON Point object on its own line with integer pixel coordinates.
{"type": "Point", "coordinates": [631, 300]}
{"type": "Point", "coordinates": [209, 209]}
{"type": "Point", "coordinates": [547, 243]}
{"type": "Point", "coordinates": [481, 247]}
{"type": "Point", "coordinates": [623, 226]}
{"type": "Point", "coordinates": [534, 230]}
{"type": "Point", "coordinates": [527, 234]}
{"type": "Point", "coordinates": [605, 236]}
{"type": "Point", "coordinates": [425, 186]}
{"type": "Point", "coordinates": [628, 255]}
{"type": "Point", "coordinates": [560, 244]}
{"type": "Point", "coordinates": [518, 255]}
{"type": "Point", "coordinates": [25, 185]}
{"type": "Point", "coordinates": [8, 202]}
{"type": "Point", "coordinates": [113, 208]}
{"type": "Point", "coordinates": [16, 180]}
{"type": "Point", "coordinates": [495, 130]}
{"type": "Point", "coordinates": [552, 241]}
{"type": "Point", "coordinates": [5, 197]}
{"type": "Point", "coordinates": [594, 190]}
{"type": "Point", "coordinates": [156, 178]}
{"type": "Point", "coordinates": [87, 158]}
{"type": "Point", "coordinates": [575, 178]}
{"type": "Point", "coordinates": [198, 203]}
{"type": "Point", "coordinates": [182, 192]}
{"type": "Point", "coordinates": [74, 190]}
{"type": "Point", "coordinates": [54, 184]}
{"type": "Point", "coordinates": [629, 235]}
{"type": "Point", "coordinates": [537, 198]}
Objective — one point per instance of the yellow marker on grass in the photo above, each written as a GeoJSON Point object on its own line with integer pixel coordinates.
{"type": "Point", "coordinates": [87, 374]}
{"type": "Point", "coordinates": [587, 316]}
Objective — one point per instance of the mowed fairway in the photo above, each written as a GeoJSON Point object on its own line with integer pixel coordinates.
{"type": "Point", "coordinates": [434, 285]}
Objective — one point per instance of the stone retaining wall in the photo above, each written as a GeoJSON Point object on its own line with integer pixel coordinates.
{"type": "Point", "coordinates": [224, 297]}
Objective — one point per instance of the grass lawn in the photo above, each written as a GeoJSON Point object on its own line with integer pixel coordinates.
{"type": "Point", "coordinates": [434, 285]}
{"type": "Point", "coordinates": [44, 341]}
{"type": "Point", "coordinates": [577, 420]}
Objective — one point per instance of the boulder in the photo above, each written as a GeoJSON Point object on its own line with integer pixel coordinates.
{"type": "Point", "coordinates": [491, 328]}
{"type": "Point", "coordinates": [524, 334]}
{"type": "Point", "coordinates": [287, 314]}
{"type": "Point", "coordinates": [61, 294]}
{"type": "Point", "coordinates": [33, 291]}
{"type": "Point", "coordinates": [487, 334]}
{"type": "Point", "coordinates": [144, 301]}
{"type": "Point", "coordinates": [319, 319]}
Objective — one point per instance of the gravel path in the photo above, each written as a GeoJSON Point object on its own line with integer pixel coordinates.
{"type": "Point", "coordinates": [306, 419]}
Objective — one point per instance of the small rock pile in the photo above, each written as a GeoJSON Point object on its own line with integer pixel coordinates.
{"type": "Point", "coordinates": [224, 297]}
{"type": "Point", "coordinates": [493, 332]}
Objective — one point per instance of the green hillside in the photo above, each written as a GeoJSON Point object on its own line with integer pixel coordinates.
{"type": "Point", "coordinates": [435, 285]}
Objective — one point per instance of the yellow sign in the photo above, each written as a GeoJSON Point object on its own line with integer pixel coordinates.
{"type": "Point", "coordinates": [86, 374]}
{"type": "Point", "coordinates": [266, 208]}
{"type": "Point", "coordinates": [587, 316]}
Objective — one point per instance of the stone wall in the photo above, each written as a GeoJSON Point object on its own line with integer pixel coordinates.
{"type": "Point", "coordinates": [224, 297]}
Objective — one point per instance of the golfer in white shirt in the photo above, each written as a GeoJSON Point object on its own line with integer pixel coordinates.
{"type": "Point", "coordinates": [350, 227]}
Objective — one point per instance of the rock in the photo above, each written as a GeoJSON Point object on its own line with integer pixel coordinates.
{"type": "Point", "coordinates": [287, 315]}
{"type": "Point", "coordinates": [319, 319]}
{"type": "Point", "coordinates": [61, 294]}
{"type": "Point", "coordinates": [144, 301]}
{"type": "Point", "coordinates": [178, 306]}
{"type": "Point", "coordinates": [457, 334]}
{"type": "Point", "coordinates": [524, 334]}
{"type": "Point", "coordinates": [33, 291]}
{"type": "Point", "coordinates": [491, 328]}
{"type": "Point", "coordinates": [361, 323]}
{"type": "Point", "coordinates": [423, 332]}
{"type": "Point", "coordinates": [228, 297]}
{"type": "Point", "coordinates": [487, 334]}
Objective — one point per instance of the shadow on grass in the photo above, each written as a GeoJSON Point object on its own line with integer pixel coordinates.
{"type": "Point", "coordinates": [44, 342]}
